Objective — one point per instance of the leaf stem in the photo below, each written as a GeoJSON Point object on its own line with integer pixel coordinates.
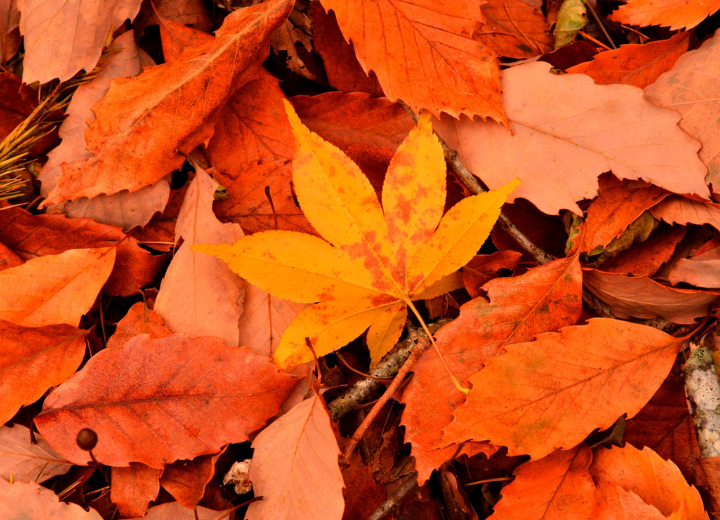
{"type": "Point", "coordinates": [457, 384]}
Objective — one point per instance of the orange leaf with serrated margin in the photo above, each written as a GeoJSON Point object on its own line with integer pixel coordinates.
{"type": "Point", "coordinates": [557, 487]}
{"type": "Point", "coordinates": [516, 309]}
{"type": "Point", "coordinates": [565, 131]}
{"type": "Point", "coordinates": [668, 13]}
{"type": "Point", "coordinates": [381, 258]}
{"type": "Point", "coordinates": [439, 67]}
{"type": "Point", "coordinates": [552, 392]}
{"type": "Point", "coordinates": [658, 482]}
{"type": "Point", "coordinates": [637, 65]}
{"type": "Point", "coordinates": [142, 121]}
{"type": "Point", "coordinates": [216, 395]}
{"type": "Point", "coordinates": [676, 209]}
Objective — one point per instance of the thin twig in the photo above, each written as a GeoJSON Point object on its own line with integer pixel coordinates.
{"type": "Point", "coordinates": [422, 345]}
{"type": "Point", "coordinates": [593, 40]}
{"type": "Point", "coordinates": [358, 372]}
{"type": "Point", "coordinates": [395, 499]}
{"type": "Point", "coordinates": [599, 22]}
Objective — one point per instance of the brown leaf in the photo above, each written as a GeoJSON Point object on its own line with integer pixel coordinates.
{"type": "Point", "coordinates": [176, 511]}
{"type": "Point", "coordinates": [642, 297]}
{"type": "Point", "coordinates": [129, 149]}
{"type": "Point", "coordinates": [556, 487]}
{"type": "Point", "coordinates": [9, 29]}
{"type": "Point", "coordinates": [61, 38]}
{"type": "Point", "coordinates": [658, 482]}
{"type": "Point", "coordinates": [125, 210]}
{"type": "Point", "coordinates": [516, 309]}
{"type": "Point", "coordinates": [138, 320]}
{"type": "Point", "coordinates": [200, 295]}
{"type": "Point", "coordinates": [252, 149]}
{"type": "Point", "coordinates": [617, 206]}
{"type": "Point", "coordinates": [637, 65]}
{"type": "Point", "coordinates": [645, 258]}
{"type": "Point", "coordinates": [28, 461]}
{"type": "Point", "coordinates": [552, 392]}
{"type": "Point", "coordinates": [702, 270]}
{"type": "Point", "coordinates": [185, 480]}
{"type": "Point", "coordinates": [33, 236]}
{"type": "Point", "coordinates": [33, 360]}
{"type": "Point", "coordinates": [680, 210]}
{"type": "Point", "coordinates": [126, 395]}
{"type": "Point", "coordinates": [8, 259]}
{"type": "Point", "coordinates": [515, 29]}
{"type": "Point", "coordinates": [690, 88]}
{"type": "Point", "coordinates": [559, 143]}
{"type": "Point", "coordinates": [295, 466]}
{"type": "Point", "coordinates": [441, 68]}
{"type": "Point", "coordinates": [362, 494]}
{"type": "Point", "coordinates": [133, 488]}
{"type": "Point", "coordinates": [186, 12]}
{"type": "Point", "coordinates": [342, 68]}
{"type": "Point", "coordinates": [30, 500]}
{"type": "Point", "coordinates": [55, 289]}
{"type": "Point", "coordinates": [547, 232]}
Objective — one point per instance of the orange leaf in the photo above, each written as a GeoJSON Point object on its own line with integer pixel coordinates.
{"type": "Point", "coordinates": [33, 360]}
{"type": "Point", "coordinates": [185, 480]}
{"type": "Point", "coordinates": [133, 488]}
{"type": "Point", "coordinates": [61, 38]}
{"type": "Point", "coordinates": [9, 30]}
{"type": "Point", "coordinates": [54, 289]}
{"type": "Point", "coordinates": [295, 466]}
{"type": "Point", "coordinates": [615, 503]}
{"type": "Point", "coordinates": [552, 392]}
{"type": "Point", "coordinates": [643, 297]}
{"type": "Point", "coordinates": [28, 461]}
{"type": "Point", "coordinates": [658, 482]}
{"type": "Point", "coordinates": [556, 487]}
{"type": "Point", "coordinates": [515, 29]}
{"type": "Point", "coordinates": [637, 65]}
{"type": "Point", "coordinates": [126, 396]}
{"type": "Point", "coordinates": [441, 68]}
{"type": "Point", "coordinates": [138, 320]}
{"type": "Point", "coordinates": [30, 500]}
{"type": "Point", "coordinates": [199, 295]}
{"type": "Point", "coordinates": [645, 258]}
{"type": "Point", "coordinates": [176, 511]}
{"type": "Point", "coordinates": [142, 121]}
{"type": "Point", "coordinates": [566, 131]}
{"type": "Point", "coordinates": [484, 268]}
{"type": "Point", "coordinates": [669, 13]}
{"type": "Point", "coordinates": [186, 12]}
{"type": "Point", "coordinates": [690, 88]}
{"type": "Point", "coordinates": [516, 309]}
{"type": "Point", "coordinates": [680, 210]}
{"type": "Point", "coordinates": [702, 270]}
{"type": "Point", "coordinates": [176, 37]}
{"type": "Point", "coordinates": [124, 209]}
{"type": "Point", "coordinates": [342, 68]}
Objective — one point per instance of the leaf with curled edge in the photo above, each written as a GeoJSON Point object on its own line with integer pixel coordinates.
{"type": "Point", "coordinates": [544, 299]}
{"type": "Point", "coordinates": [377, 259]}
{"type": "Point", "coordinates": [565, 131]}
{"type": "Point", "coordinates": [216, 395]}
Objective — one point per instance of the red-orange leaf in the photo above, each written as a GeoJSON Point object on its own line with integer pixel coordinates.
{"type": "Point", "coordinates": [552, 392]}
{"type": "Point", "coordinates": [34, 360]}
{"type": "Point", "coordinates": [645, 258]}
{"type": "Point", "coordinates": [214, 394]}
{"type": "Point", "coordinates": [516, 309]}
{"type": "Point", "coordinates": [515, 29]}
{"type": "Point", "coordinates": [133, 488]}
{"type": "Point", "coordinates": [142, 121]}
{"type": "Point", "coordinates": [138, 320]}
{"type": "Point", "coordinates": [185, 480]}
{"type": "Point", "coordinates": [670, 13]}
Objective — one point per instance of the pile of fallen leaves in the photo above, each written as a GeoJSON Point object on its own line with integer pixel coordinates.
{"type": "Point", "coordinates": [358, 259]}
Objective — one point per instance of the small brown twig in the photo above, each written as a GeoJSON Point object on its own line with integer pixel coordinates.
{"type": "Point", "coordinates": [599, 22]}
{"type": "Point", "coordinates": [395, 499]}
{"type": "Point", "coordinates": [422, 345]}
{"type": "Point", "coordinates": [383, 380]}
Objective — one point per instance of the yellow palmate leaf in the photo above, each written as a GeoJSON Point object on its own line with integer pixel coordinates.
{"type": "Point", "coordinates": [375, 260]}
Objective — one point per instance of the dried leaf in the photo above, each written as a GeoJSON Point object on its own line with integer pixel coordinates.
{"type": "Point", "coordinates": [9, 29]}
{"type": "Point", "coordinates": [176, 37]}
{"type": "Point", "coordinates": [185, 480]}
{"type": "Point", "coordinates": [125, 210]}
{"type": "Point", "coordinates": [637, 65]}
{"type": "Point", "coordinates": [378, 262]}
{"type": "Point", "coordinates": [186, 12]}
{"type": "Point", "coordinates": [138, 320]}
{"type": "Point", "coordinates": [295, 467]}
{"type": "Point", "coordinates": [516, 309]}
{"type": "Point", "coordinates": [552, 392]}
{"type": "Point", "coordinates": [570, 19]}
{"type": "Point", "coordinates": [199, 295]}
{"type": "Point", "coordinates": [284, 40]}
{"type": "Point", "coordinates": [33, 360]}
{"type": "Point", "coordinates": [658, 482]}
{"type": "Point", "coordinates": [342, 68]}
{"type": "Point", "coordinates": [567, 131]}
{"type": "Point", "coordinates": [129, 149]}
{"type": "Point", "coordinates": [54, 289]}
{"type": "Point", "coordinates": [642, 297]}
{"type": "Point", "coordinates": [514, 28]}
{"type": "Point", "coordinates": [680, 210]}
{"type": "Point", "coordinates": [441, 68]}
{"type": "Point", "coordinates": [701, 271]}
{"type": "Point", "coordinates": [645, 258]}
{"type": "Point", "coordinates": [28, 461]}
{"type": "Point", "coordinates": [176, 511]}
{"type": "Point", "coordinates": [556, 487]}
{"type": "Point", "coordinates": [690, 87]}
{"type": "Point", "coordinates": [665, 12]}
{"type": "Point", "coordinates": [484, 268]}
{"type": "Point", "coordinates": [615, 503]}
{"type": "Point", "coordinates": [134, 487]}
{"type": "Point", "coordinates": [126, 395]}
{"type": "Point", "coordinates": [30, 500]}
